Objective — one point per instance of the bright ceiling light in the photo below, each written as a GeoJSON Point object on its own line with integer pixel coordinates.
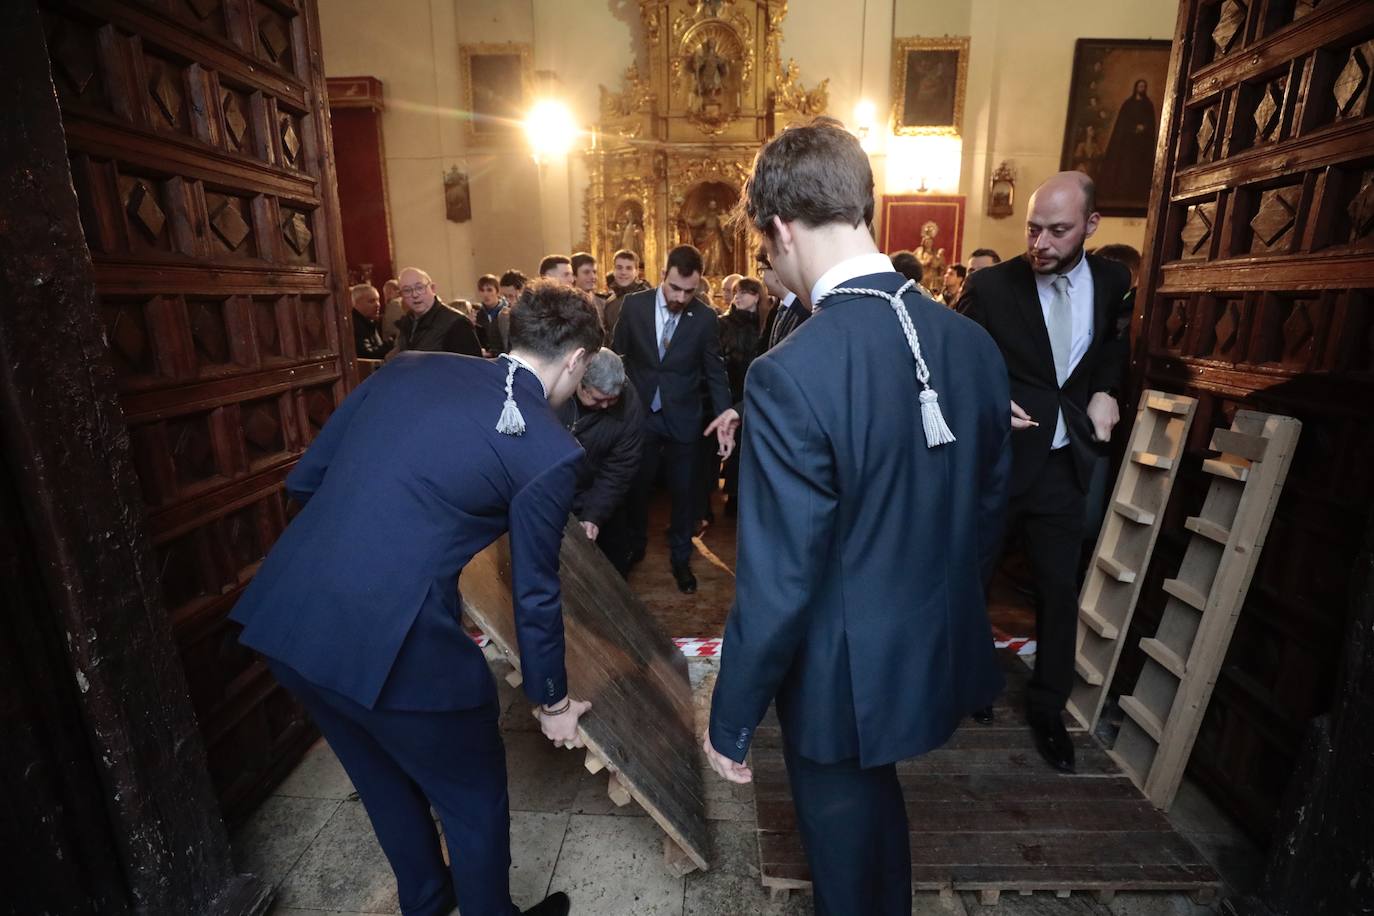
{"type": "Point", "coordinates": [551, 129]}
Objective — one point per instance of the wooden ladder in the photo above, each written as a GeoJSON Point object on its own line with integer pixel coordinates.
{"type": "Point", "coordinates": [1183, 658]}
{"type": "Point", "coordinates": [1124, 546]}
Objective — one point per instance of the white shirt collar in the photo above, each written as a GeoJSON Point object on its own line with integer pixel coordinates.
{"type": "Point", "coordinates": [1076, 274]}
{"type": "Point", "coordinates": [858, 266]}
{"type": "Point", "coordinates": [787, 300]}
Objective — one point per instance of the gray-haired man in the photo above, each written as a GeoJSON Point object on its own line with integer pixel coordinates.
{"type": "Point", "coordinates": [606, 418]}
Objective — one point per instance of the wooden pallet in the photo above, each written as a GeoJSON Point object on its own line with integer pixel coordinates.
{"type": "Point", "coordinates": [1124, 546]}
{"type": "Point", "coordinates": [1182, 660]}
{"type": "Point", "coordinates": [640, 728]}
{"type": "Point", "coordinates": [988, 815]}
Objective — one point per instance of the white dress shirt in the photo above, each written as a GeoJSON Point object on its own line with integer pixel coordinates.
{"type": "Point", "coordinates": [861, 265]}
{"type": "Point", "coordinates": [1081, 306]}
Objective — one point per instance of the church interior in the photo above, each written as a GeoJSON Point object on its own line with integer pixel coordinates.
{"type": "Point", "coordinates": [195, 190]}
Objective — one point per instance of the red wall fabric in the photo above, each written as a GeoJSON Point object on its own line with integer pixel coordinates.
{"type": "Point", "coordinates": [362, 192]}
{"type": "Point", "coordinates": [904, 215]}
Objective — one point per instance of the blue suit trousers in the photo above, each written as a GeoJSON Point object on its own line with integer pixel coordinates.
{"type": "Point", "coordinates": [404, 763]}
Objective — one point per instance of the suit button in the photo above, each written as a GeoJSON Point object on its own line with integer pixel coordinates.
{"type": "Point", "coordinates": [744, 733]}
{"type": "Point", "coordinates": [741, 743]}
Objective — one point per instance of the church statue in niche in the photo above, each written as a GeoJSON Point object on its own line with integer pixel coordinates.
{"type": "Point", "coordinates": [931, 259]}
{"type": "Point", "coordinates": [629, 224]}
{"type": "Point", "coordinates": [710, 72]}
{"type": "Point", "coordinates": [705, 223]}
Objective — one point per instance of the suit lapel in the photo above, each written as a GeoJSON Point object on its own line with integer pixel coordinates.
{"type": "Point", "coordinates": [1028, 304]}
{"type": "Point", "coordinates": [1102, 314]}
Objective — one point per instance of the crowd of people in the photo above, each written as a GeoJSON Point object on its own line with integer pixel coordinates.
{"type": "Point", "coordinates": [892, 438]}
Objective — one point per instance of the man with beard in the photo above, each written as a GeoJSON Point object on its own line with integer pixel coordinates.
{"type": "Point", "coordinates": [1054, 315]}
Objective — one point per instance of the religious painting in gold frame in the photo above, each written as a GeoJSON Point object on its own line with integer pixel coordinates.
{"type": "Point", "coordinates": [929, 76]}
{"type": "Point", "coordinates": [498, 80]}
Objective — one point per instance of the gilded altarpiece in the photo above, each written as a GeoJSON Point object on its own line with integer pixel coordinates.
{"type": "Point", "coordinates": [675, 143]}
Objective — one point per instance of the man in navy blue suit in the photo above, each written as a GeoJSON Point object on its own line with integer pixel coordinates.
{"type": "Point", "coordinates": [873, 484]}
{"type": "Point", "coordinates": [356, 607]}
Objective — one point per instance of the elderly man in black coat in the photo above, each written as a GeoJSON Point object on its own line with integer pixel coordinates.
{"type": "Point", "coordinates": [606, 418]}
{"type": "Point", "coordinates": [429, 324]}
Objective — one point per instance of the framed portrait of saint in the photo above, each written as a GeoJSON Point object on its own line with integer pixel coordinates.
{"type": "Point", "coordinates": [928, 80]}
{"type": "Point", "coordinates": [497, 80]}
{"type": "Point", "coordinates": [1113, 122]}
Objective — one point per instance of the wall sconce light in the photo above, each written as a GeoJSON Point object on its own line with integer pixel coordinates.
{"type": "Point", "coordinates": [551, 130]}
{"type": "Point", "coordinates": [865, 120]}
{"type": "Point", "coordinates": [1002, 192]}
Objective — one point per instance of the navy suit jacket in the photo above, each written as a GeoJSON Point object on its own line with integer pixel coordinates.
{"type": "Point", "coordinates": [859, 597]}
{"type": "Point", "coordinates": [1004, 299]}
{"type": "Point", "coordinates": [406, 482]}
{"type": "Point", "coordinates": [692, 363]}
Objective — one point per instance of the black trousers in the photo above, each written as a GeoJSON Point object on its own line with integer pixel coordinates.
{"type": "Point", "coordinates": [1049, 515]}
{"type": "Point", "coordinates": [404, 763]}
{"type": "Point", "coordinates": [854, 828]}
{"type": "Point", "coordinates": [679, 461]}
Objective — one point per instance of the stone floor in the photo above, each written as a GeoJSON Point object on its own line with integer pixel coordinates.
{"type": "Point", "coordinates": [312, 841]}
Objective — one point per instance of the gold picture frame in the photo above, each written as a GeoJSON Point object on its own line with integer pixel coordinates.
{"type": "Point", "coordinates": [498, 87]}
{"type": "Point", "coordinates": [929, 76]}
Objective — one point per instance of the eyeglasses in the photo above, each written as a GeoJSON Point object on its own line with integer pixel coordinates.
{"type": "Point", "coordinates": [414, 290]}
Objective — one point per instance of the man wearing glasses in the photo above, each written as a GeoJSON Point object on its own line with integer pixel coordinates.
{"type": "Point", "coordinates": [429, 324]}
{"type": "Point", "coordinates": [787, 315]}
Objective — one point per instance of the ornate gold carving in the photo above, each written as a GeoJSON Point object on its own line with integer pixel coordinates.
{"type": "Point", "coordinates": [901, 52]}
{"type": "Point", "coordinates": [621, 111]}
{"type": "Point", "coordinates": [714, 60]}
{"type": "Point", "coordinates": [791, 96]}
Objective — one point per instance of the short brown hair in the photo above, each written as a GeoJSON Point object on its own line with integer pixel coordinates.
{"type": "Point", "coordinates": [686, 259]}
{"type": "Point", "coordinates": [487, 280]}
{"type": "Point", "coordinates": [580, 258]}
{"type": "Point", "coordinates": [627, 254]}
{"type": "Point", "coordinates": [551, 319]}
{"type": "Point", "coordinates": [816, 174]}
{"type": "Point", "coordinates": [552, 261]}
{"type": "Point", "coordinates": [749, 285]}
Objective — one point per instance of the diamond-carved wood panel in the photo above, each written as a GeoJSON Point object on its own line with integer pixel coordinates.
{"type": "Point", "coordinates": [274, 36]}
{"type": "Point", "coordinates": [1207, 134]}
{"type": "Point", "coordinates": [1274, 220]}
{"type": "Point", "coordinates": [181, 570]}
{"type": "Point", "coordinates": [1226, 332]}
{"type": "Point", "coordinates": [209, 332]}
{"type": "Point", "coordinates": [164, 88]}
{"type": "Point", "coordinates": [315, 314]}
{"type": "Point", "coordinates": [1351, 87]}
{"type": "Point", "coordinates": [131, 344]}
{"type": "Point", "coordinates": [1305, 7]}
{"type": "Point", "coordinates": [1299, 334]}
{"type": "Point", "coordinates": [262, 430]}
{"type": "Point", "coordinates": [1197, 229]}
{"type": "Point", "coordinates": [235, 109]}
{"type": "Point", "coordinates": [319, 404]}
{"type": "Point", "coordinates": [203, 9]}
{"type": "Point", "coordinates": [290, 140]}
{"type": "Point", "coordinates": [296, 230]}
{"type": "Point", "coordinates": [267, 329]}
{"type": "Point", "coordinates": [192, 450]}
{"type": "Point", "coordinates": [1268, 111]}
{"type": "Point", "coordinates": [73, 51]}
{"type": "Point", "coordinates": [1176, 325]}
{"type": "Point", "coordinates": [1229, 25]}
{"type": "Point", "coordinates": [140, 203]}
{"type": "Point", "coordinates": [1361, 209]}
{"type": "Point", "coordinates": [227, 220]}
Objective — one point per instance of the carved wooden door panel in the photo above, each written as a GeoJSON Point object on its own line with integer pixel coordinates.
{"type": "Point", "coordinates": [201, 157]}
{"type": "Point", "coordinates": [1259, 291]}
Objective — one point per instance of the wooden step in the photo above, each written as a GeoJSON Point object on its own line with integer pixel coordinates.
{"type": "Point", "coordinates": [1125, 767]}
{"type": "Point", "coordinates": [1166, 404]}
{"type": "Point", "coordinates": [1134, 513]}
{"type": "Point", "coordinates": [1143, 717]}
{"type": "Point", "coordinates": [1231, 442]}
{"type": "Point", "coordinates": [1210, 530]}
{"type": "Point", "coordinates": [1087, 671]}
{"type": "Point", "coordinates": [1151, 460]}
{"type": "Point", "coordinates": [1167, 657]}
{"type": "Point", "coordinates": [1226, 470]}
{"type": "Point", "coordinates": [1114, 569]}
{"type": "Point", "coordinates": [1186, 593]}
{"type": "Point", "coordinates": [1098, 624]}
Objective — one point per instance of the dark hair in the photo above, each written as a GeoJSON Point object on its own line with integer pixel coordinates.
{"type": "Point", "coordinates": [551, 319]}
{"type": "Point", "coordinates": [686, 259]}
{"type": "Point", "coordinates": [986, 253]}
{"type": "Point", "coordinates": [761, 258]}
{"type": "Point", "coordinates": [1122, 254]}
{"type": "Point", "coordinates": [749, 285]}
{"type": "Point", "coordinates": [905, 263]}
{"type": "Point", "coordinates": [627, 254]}
{"type": "Point", "coordinates": [960, 270]}
{"type": "Point", "coordinates": [817, 174]}
{"type": "Point", "coordinates": [487, 280]}
{"type": "Point", "coordinates": [581, 258]}
{"type": "Point", "coordinates": [552, 261]}
{"type": "Point", "coordinates": [514, 278]}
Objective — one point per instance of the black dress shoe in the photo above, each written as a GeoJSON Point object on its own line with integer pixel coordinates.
{"type": "Point", "coordinates": [553, 905]}
{"type": "Point", "coordinates": [686, 582]}
{"type": "Point", "coordinates": [1052, 740]}
{"type": "Point", "coordinates": [983, 716]}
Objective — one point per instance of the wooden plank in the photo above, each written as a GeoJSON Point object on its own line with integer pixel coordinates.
{"type": "Point", "coordinates": [1168, 658]}
{"type": "Point", "coordinates": [641, 722]}
{"type": "Point", "coordinates": [1210, 530]}
{"type": "Point", "coordinates": [1098, 624]}
{"type": "Point", "coordinates": [1134, 513]}
{"type": "Point", "coordinates": [1168, 403]}
{"type": "Point", "coordinates": [1152, 460]}
{"type": "Point", "coordinates": [1186, 593]}
{"type": "Point", "coordinates": [1087, 672]}
{"type": "Point", "coordinates": [1226, 470]}
{"type": "Point", "coordinates": [1230, 442]}
{"type": "Point", "coordinates": [1141, 716]}
{"type": "Point", "coordinates": [1118, 571]}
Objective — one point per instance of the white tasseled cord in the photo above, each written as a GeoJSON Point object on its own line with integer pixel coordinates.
{"type": "Point", "coordinates": [932, 420]}
{"type": "Point", "coordinates": [512, 422]}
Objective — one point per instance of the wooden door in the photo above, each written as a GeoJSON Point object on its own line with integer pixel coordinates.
{"type": "Point", "coordinates": [1258, 291]}
{"type": "Point", "coordinates": [200, 153]}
